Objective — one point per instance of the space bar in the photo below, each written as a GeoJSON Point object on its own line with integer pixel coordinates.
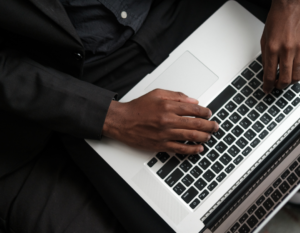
{"type": "Point", "coordinates": [221, 99]}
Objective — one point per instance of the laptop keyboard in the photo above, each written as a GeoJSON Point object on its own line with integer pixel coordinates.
{"type": "Point", "coordinates": [246, 116]}
{"type": "Point", "coordinates": [272, 196]}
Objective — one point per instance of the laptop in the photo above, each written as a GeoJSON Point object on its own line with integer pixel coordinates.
{"type": "Point", "coordinates": [220, 65]}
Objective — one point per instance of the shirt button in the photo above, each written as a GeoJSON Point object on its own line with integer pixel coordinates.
{"type": "Point", "coordinates": [78, 56]}
{"type": "Point", "coordinates": [124, 14]}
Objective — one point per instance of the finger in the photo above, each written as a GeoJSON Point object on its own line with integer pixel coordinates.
{"type": "Point", "coordinates": [175, 96]}
{"type": "Point", "coordinates": [188, 109]}
{"type": "Point", "coordinates": [296, 68]}
{"type": "Point", "coordinates": [270, 69]}
{"type": "Point", "coordinates": [195, 124]}
{"type": "Point", "coordinates": [183, 148]}
{"type": "Point", "coordinates": [285, 70]}
{"type": "Point", "coordinates": [188, 135]}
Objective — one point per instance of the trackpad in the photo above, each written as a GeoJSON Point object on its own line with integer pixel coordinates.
{"type": "Point", "coordinates": [187, 74]}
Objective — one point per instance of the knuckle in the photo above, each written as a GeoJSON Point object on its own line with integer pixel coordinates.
{"type": "Point", "coordinates": [193, 136]}
{"type": "Point", "coordinates": [164, 120]}
{"type": "Point", "coordinates": [288, 46]}
{"type": "Point", "coordinates": [181, 149]}
{"type": "Point", "coordinates": [198, 124]}
{"type": "Point", "coordinates": [180, 94]}
{"type": "Point", "coordinates": [272, 48]}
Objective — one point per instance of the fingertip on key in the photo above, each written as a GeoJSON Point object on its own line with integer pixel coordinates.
{"type": "Point", "coordinates": [201, 148]}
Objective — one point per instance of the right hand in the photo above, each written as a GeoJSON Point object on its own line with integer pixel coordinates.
{"type": "Point", "coordinates": [157, 120]}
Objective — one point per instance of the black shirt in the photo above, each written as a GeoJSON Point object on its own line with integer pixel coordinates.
{"type": "Point", "coordinates": [104, 26]}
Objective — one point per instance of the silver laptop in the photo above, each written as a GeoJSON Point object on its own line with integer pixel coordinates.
{"type": "Point", "coordinates": [220, 65]}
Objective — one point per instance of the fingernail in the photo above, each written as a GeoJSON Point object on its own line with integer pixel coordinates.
{"type": "Point", "coordinates": [201, 149]}
{"type": "Point", "coordinates": [192, 100]}
{"type": "Point", "coordinates": [209, 114]}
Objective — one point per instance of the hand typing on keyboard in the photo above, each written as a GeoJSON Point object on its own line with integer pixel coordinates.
{"type": "Point", "coordinates": [280, 44]}
{"type": "Point", "coordinates": [157, 120]}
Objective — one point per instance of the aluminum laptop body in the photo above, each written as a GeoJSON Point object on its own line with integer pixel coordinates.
{"type": "Point", "coordinates": [203, 66]}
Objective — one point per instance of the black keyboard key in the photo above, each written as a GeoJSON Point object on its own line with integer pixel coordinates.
{"type": "Point", "coordinates": [297, 171]}
{"type": "Point", "coordinates": [289, 95]}
{"type": "Point", "coordinates": [247, 74]}
{"type": "Point", "coordinates": [273, 111]}
{"type": "Point", "coordinates": [221, 99]}
{"type": "Point", "coordinates": [269, 191]}
{"type": "Point", "coordinates": [174, 177]}
{"type": "Point", "coordinates": [276, 92]}
{"type": "Point", "coordinates": [211, 142]}
{"type": "Point", "coordinates": [239, 82]}
{"type": "Point", "coordinates": [277, 183]}
{"type": "Point", "coordinates": [245, 123]}
{"type": "Point", "coordinates": [235, 227]}
{"type": "Point", "coordinates": [221, 177]}
{"type": "Point", "coordinates": [292, 179]}
{"type": "Point", "coordinates": [187, 180]}
{"type": "Point", "coordinates": [252, 209]}
{"type": "Point", "coordinates": [229, 139]}
{"type": "Point", "coordinates": [217, 167]}
{"type": "Point", "coordinates": [179, 188]}
{"type": "Point", "coordinates": [293, 166]}
{"type": "Point", "coordinates": [261, 107]}
{"type": "Point", "coordinates": [242, 142]}
{"type": "Point", "coordinates": [259, 94]}
{"type": "Point", "coordinates": [276, 196]}
{"type": "Point", "coordinates": [181, 156]}
{"type": "Point", "coordinates": [243, 109]}
{"type": "Point", "coordinates": [255, 66]}
{"type": "Point", "coordinates": [238, 98]}
{"type": "Point", "coordinates": [263, 134]}
{"type": "Point", "coordinates": [271, 126]}
{"type": "Point", "coordinates": [229, 168]}
{"type": "Point", "coordinates": [296, 87]}
{"type": "Point", "coordinates": [266, 118]}
{"type": "Point", "coordinates": [204, 163]}
{"type": "Point", "coordinates": [186, 166]}
{"type": "Point", "coordinates": [212, 155]}
{"type": "Point", "coordinates": [243, 218]}
{"type": "Point", "coordinates": [285, 174]}
{"type": "Point", "coordinates": [205, 150]}
{"type": "Point", "coordinates": [246, 91]}
{"type": "Point", "coordinates": [254, 83]}
{"type": "Point", "coordinates": [246, 151]}
{"type": "Point", "coordinates": [230, 106]}
{"type": "Point", "coordinates": [269, 99]}
{"type": "Point", "coordinates": [233, 151]}
{"type": "Point", "coordinates": [252, 221]}
{"type": "Point", "coordinates": [255, 142]}
{"type": "Point", "coordinates": [212, 186]}
{"type": "Point", "coordinates": [260, 200]}
{"type": "Point", "coordinates": [250, 134]}
{"type": "Point", "coordinates": [238, 160]}
{"type": "Point", "coordinates": [216, 119]}
{"type": "Point", "coordinates": [152, 162]}
{"type": "Point", "coordinates": [296, 101]}
{"type": "Point", "coordinates": [244, 229]}
{"type": "Point", "coordinates": [163, 156]}
{"type": "Point", "coordinates": [251, 102]}
{"type": "Point", "coordinates": [194, 158]}
{"type": "Point", "coordinates": [268, 204]}
{"type": "Point", "coordinates": [200, 184]}
{"type": "Point", "coordinates": [259, 58]}
{"type": "Point", "coordinates": [195, 203]}
{"type": "Point", "coordinates": [260, 213]}
{"type": "Point", "coordinates": [208, 175]}
{"type": "Point", "coordinates": [279, 118]}
{"type": "Point", "coordinates": [196, 172]}
{"type": "Point", "coordinates": [235, 117]}
{"type": "Point", "coordinates": [219, 134]}
{"type": "Point", "coordinates": [284, 187]}
{"type": "Point", "coordinates": [227, 125]}
{"type": "Point", "coordinates": [223, 114]}
{"type": "Point", "coordinates": [253, 115]}
{"type": "Point", "coordinates": [168, 167]}
{"type": "Point", "coordinates": [189, 195]}
{"type": "Point", "coordinates": [203, 195]}
{"type": "Point", "coordinates": [225, 159]}
{"type": "Point", "coordinates": [288, 109]}
{"type": "Point", "coordinates": [221, 147]}
{"type": "Point", "coordinates": [257, 126]}
{"type": "Point", "coordinates": [237, 131]}
{"type": "Point", "coordinates": [281, 103]}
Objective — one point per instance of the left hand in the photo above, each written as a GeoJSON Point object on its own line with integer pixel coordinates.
{"type": "Point", "coordinates": [280, 44]}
